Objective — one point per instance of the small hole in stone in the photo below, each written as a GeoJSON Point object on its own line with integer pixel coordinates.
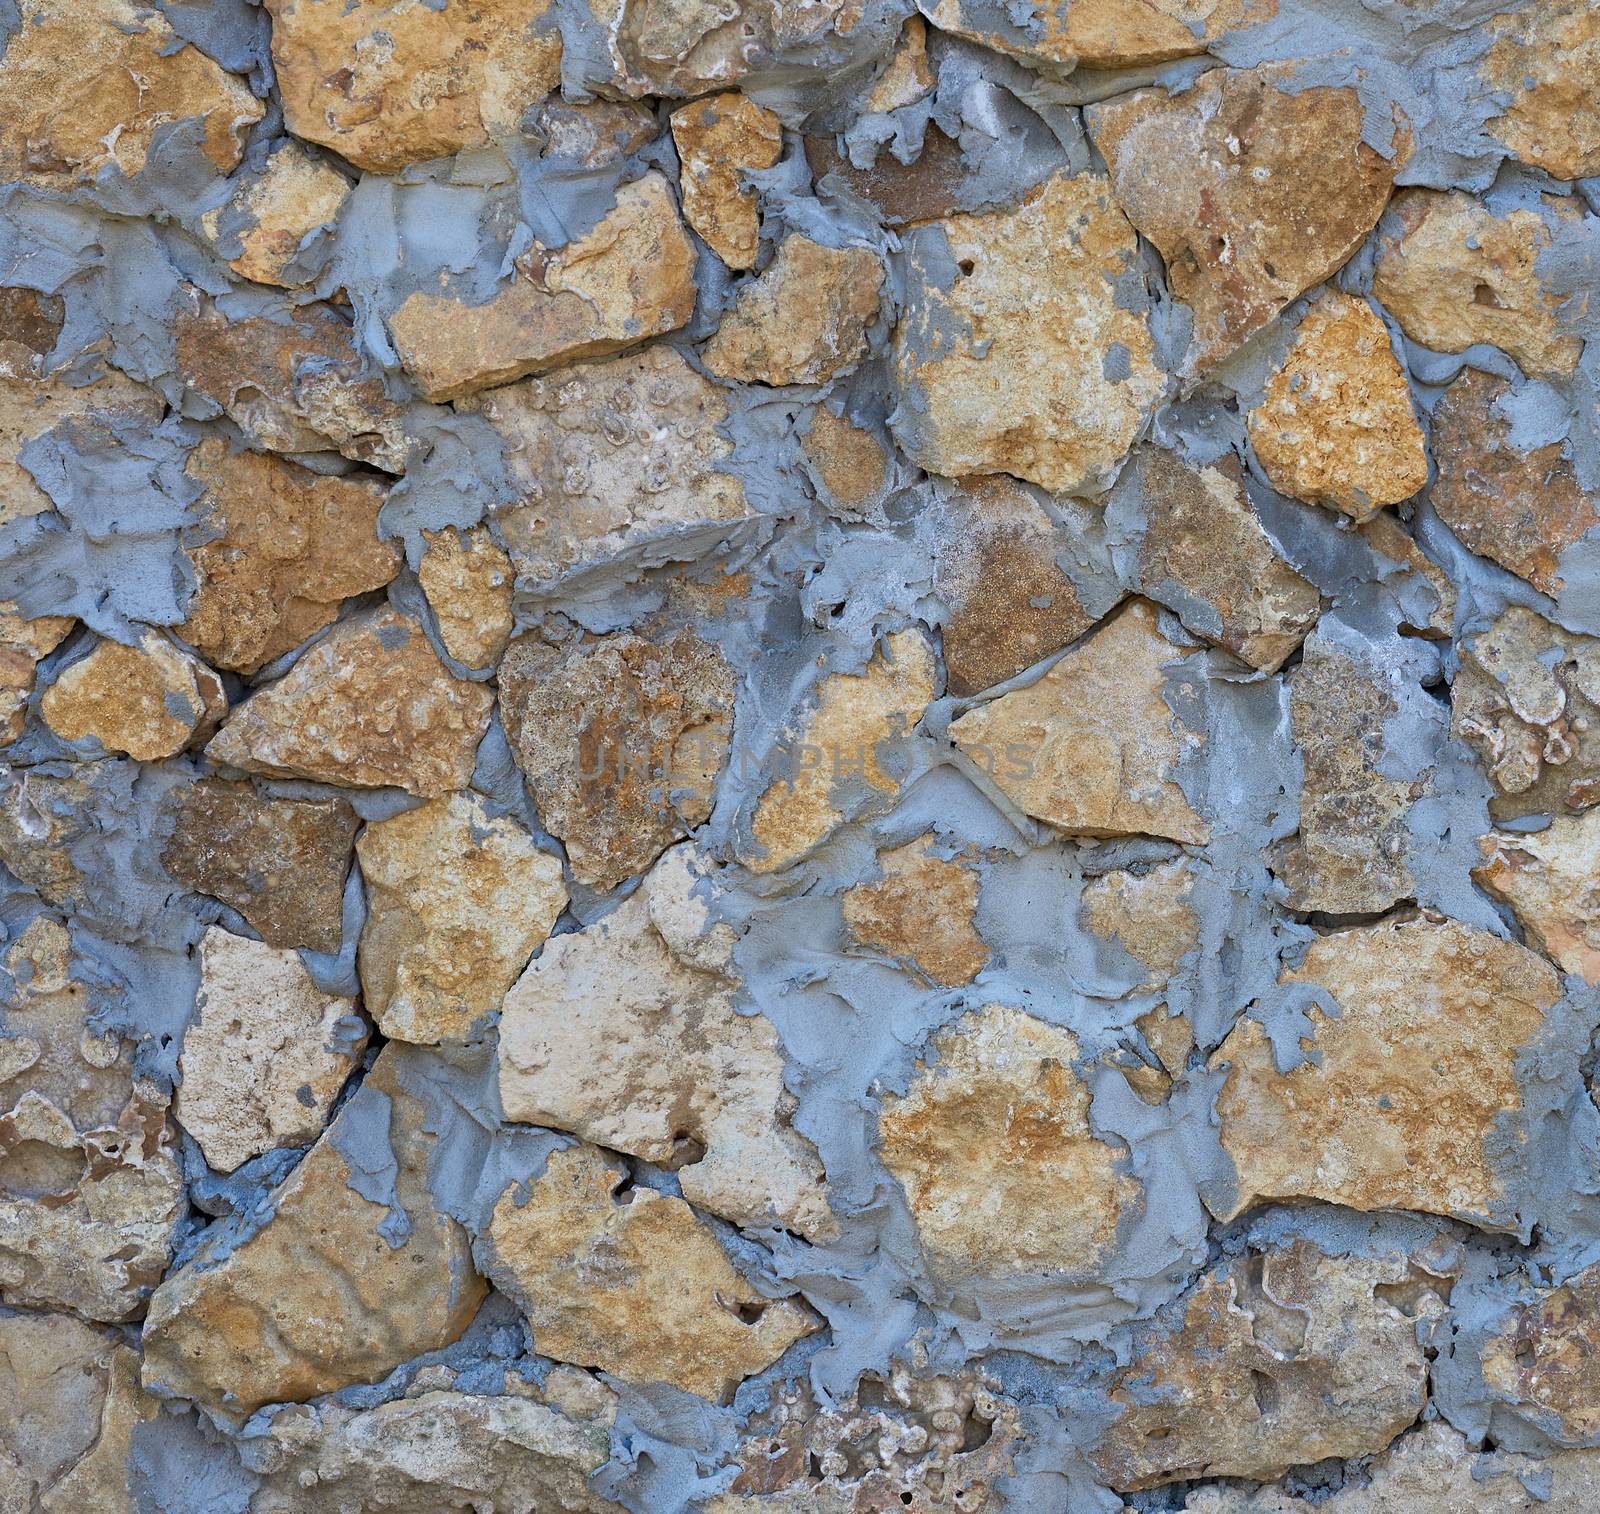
{"type": "Point", "coordinates": [966, 265]}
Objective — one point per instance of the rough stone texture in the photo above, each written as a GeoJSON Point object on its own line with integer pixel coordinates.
{"type": "Point", "coordinates": [637, 1287]}
{"type": "Point", "coordinates": [1252, 188]}
{"type": "Point", "coordinates": [1551, 880]}
{"type": "Point", "coordinates": [629, 279]}
{"type": "Point", "coordinates": [904, 194]}
{"type": "Point", "coordinates": [149, 700]}
{"type": "Point", "coordinates": [1542, 1357]}
{"type": "Point", "coordinates": [1390, 540]}
{"type": "Point", "coordinates": [1147, 914]}
{"type": "Point", "coordinates": [595, 132]}
{"type": "Point", "coordinates": [1414, 1074]}
{"type": "Point", "coordinates": [920, 912]}
{"type": "Point", "coordinates": [280, 862]}
{"type": "Point", "coordinates": [276, 213]}
{"type": "Point", "coordinates": [289, 545]}
{"type": "Point", "coordinates": [907, 78]}
{"type": "Point", "coordinates": [717, 137]}
{"type": "Point", "coordinates": [804, 319]}
{"type": "Point", "coordinates": [22, 644]}
{"type": "Point", "coordinates": [621, 740]}
{"type": "Point", "coordinates": [631, 1040]}
{"type": "Point", "coordinates": [1547, 59]}
{"type": "Point", "coordinates": [266, 1054]}
{"type": "Point", "coordinates": [386, 84]}
{"type": "Point", "coordinates": [1336, 425]}
{"type": "Point", "coordinates": [849, 462]}
{"type": "Point", "coordinates": [368, 706]}
{"type": "Point", "coordinates": [467, 578]}
{"type": "Point", "coordinates": [456, 904]}
{"type": "Point", "coordinates": [1092, 747]}
{"type": "Point", "coordinates": [1454, 274]}
{"type": "Point", "coordinates": [1034, 309]}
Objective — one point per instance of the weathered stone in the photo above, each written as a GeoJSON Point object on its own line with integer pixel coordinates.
{"type": "Point", "coordinates": [621, 740]}
{"type": "Point", "coordinates": [22, 644]}
{"type": "Point", "coordinates": [467, 578]}
{"type": "Point", "coordinates": [1551, 880]}
{"type": "Point", "coordinates": [1520, 507]}
{"type": "Point", "coordinates": [838, 742]}
{"type": "Point", "coordinates": [1335, 425]}
{"type": "Point", "coordinates": [1454, 274]}
{"type": "Point", "coordinates": [637, 1286]}
{"type": "Point", "coordinates": [1093, 747]}
{"type": "Point", "coordinates": [368, 706]}
{"type": "Point", "coordinates": [44, 818]}
{"type": "Point", "coordinates": [1251, 187]}
{"type": "Point", "coordinates": [629, 279]}
{"type": "Point", "coordinates": [30, 326]}
{"type": "Point", "coordinates": [1389, 539]}
{"type": "Point", "coordinates": [906, 77]}
{"type": "Point", "coordinates": [1039, 306]}
{"type": "Point", "coordinates": [335, 1288]}
{"type": "Point", "coordinates": [87, 85]}
{"type": "Point", "coordinates": [613, 461]}
{"type": "Point", "coordinates": [716, 138]}
{"type": "Point", "coordinates": [595, 132]}
{"type": "Point", "coordinates": [280, 862]}
{"type": "Point", "coordinates": [920, 912]}
{"type": "Point", "coordinates": [1546, 58]}
{"type": "Point", "coordinates": [904, 194]}
{"type": "Point", "coordinates": [386, 84]}
{"type": "Point", "coordinates": [1147, 914]}
{"type": "Point", "coordinates": [457, 903]}
{"type": "Point", "coordinates": [848, 461]}
{"type": "Point", "coordinates": [1278, 1359]}
{"type": "Point", "coordinates": [1413, 1078]}
{"type": "Point", "coordinates": [992, 1146]}
{"type": "Point", "coordinates": [274, 213]}
{"type": "Point", "coordinates": [149, 701]}
{"type": "Point", "coordinates": [633, 1041]}
{"type": "Point", "coordinates": [290, 544]}
{"type": "Point", "coordinates": [1543, 1356]}
{"type": "Point", "coordinates": [1170, 1037]}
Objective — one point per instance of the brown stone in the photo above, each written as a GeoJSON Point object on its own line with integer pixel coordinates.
{"type": "Point", "coordinates": [848, 462]}
{"type": "Point", "coordinates": [1092, 747]}
{"type": "Point", "coordinates": [1390, 540]}
{"type": "Point", "coordinates": [30, 326]}
{"type": "Point", "coordinates": [368, 706]}
{"type": "Point", "coordinates": [276, 212]}
{"type": "Point", "coordinates": [920, 912]}
{"type": "Point", "coordinates": [1414, 1077]}
{"type": "Point", "coordinates": [629, 279]}
{"type": "Point", "coordinates": [22, 644]}
{"type": "Point", "coordinates": [280, 862]}
{"type": "Point", "coordinates": [621, 740]}
{"type": "Point", "coordinates": [467, 578]}
{"type": "Point", "coordinates": [906, 78]}
{"type": "Point", "coordinates": [44, 818]}
{"type": "Point", "coordinates": [386, 84]}
{"type": "Point", "coordinates": [1544, 1357]}
{"type": "Point", "coordinates": [904, 194]}
{"type": "Point", "coordinates": [1147, 914]}
{"type": "Point", "coordinates": [1546, 57]}
{"type": "Point", "coordinates": [290, 544]}
{"type": "Point", "coordinates": [595, 132]}
{"type": "Point", "coordinates": [716, 138]}
{"type": "Point", "coordinates": [1038, 308]}
{"type": "Point", "coordinates": [1551, 880]}
{"type": "Point", "coordinates": [1252, 188]}
{"type": "Point", "coordinates": [1170, 1037]}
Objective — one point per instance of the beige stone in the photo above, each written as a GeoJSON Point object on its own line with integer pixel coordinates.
{"type": "Point", "coordinates": [391, 82]}
{"type": "Point", "coordinates": [23, 643]}
{"type": "Point", "coordinates": [1033, 311]}
{"type": "Point", "coordinates": [1454, 274]}
{"type": "Point", "coordinates": [318, 1299]}
{"type": "Point", "coordinates": [1403, 1107]}
{"type": "Point", "coordinates": [1542, 1356]}
{"type": "Point", "coordinates": [920, 912]}
{"type": "Point", "coordinates": [86, 85]}
{"type": "Point", "coordinates": [1147, 914]}
{"type": "Point", "coordinates": [150, 701]}
{"type": "Point", "coordinates": [368, 706]}
{"type": "Point", "coordinates": [618, 1033]}
{"type": "Point", "coordinates": [906, 77]}
{"type": "Point", "coordinates": [467, 578]}
{"type": "Point", "coordinates": [274, 214]}
{"type": "Point", "coordinates": [992, 1147]}
{"type": "Point", "coordinates": [1092, 747]}
{"type": "Point", "coordinates": [1546, 57]}
{"type": "Point", "coordinates": [1252, 188]}
{"type": "Point", "coordinates": [290, 544]}
{"type": "Point", "coordinates": [841, 739]}
{"type": "Point", "coordinates": [1170, 1037]}
{"type": "Point", "coordinates": [456, 904]}
{"type": "Point", "coordinates": [621, 740]}
{"type": "Point", "coordinates": [637, 1287]}
{"type": "Point", "coordinates": [595, 132]}
{"type": "Point", "coordinates": [716, 138]}
{"type": "Point", "coordinates": [627, 280]}
{"type": "Point", "coordinates": [849, 462]}
{"type": "Point", "coordinates": [1551, 880]}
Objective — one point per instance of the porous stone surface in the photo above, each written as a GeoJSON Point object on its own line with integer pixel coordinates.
{"type": "Point", "coordinates": [273, 214]}
{"type": "Point", "coordinates": [920, 912]}
{"type": "Point", "coordinates": [1148, 914]}
{"type": "Point", "coordinates": [1101, 33]}
{"type": "Point", "coordinates": [717, 138]}
{"type": "Point", "coordinates": [1547, 59]}
{"type": "Point", "coordinates": [467, 577]}
{"type": "Point", "coordinates": [1551, 881]}
{"type": "Point", "coordinates": [23, 643]}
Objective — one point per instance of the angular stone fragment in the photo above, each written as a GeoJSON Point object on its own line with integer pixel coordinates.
{"type": "Point", "coordinates": [621, 740]}
{"type": "Point", "coordinates": [716, 138]}
{"type": "Point", "coordinates": [289, 545]}
{"type": "Point", "coordinates": [1413, 1079]}
{"type": "Point", "coordinates": [30, 326]}
{"type": "Point", "coordinates": [1546, 58]}
{"type": "Point", "coordinates": [467, 578]}
{"type": "Point", "coordinates": [617, 1033]}
{"type": "Point", "coordinates": [1454, 274]}
{"type": "Point", "coordinates": [1389, 539]}
{"type": "Point", "coordinates": [928, 187]}
{"type": "Point", "coordinates": [848, 461]}
{"type": "Point", "coordinates": [1092, 747]}
{"type": "Point", "coordinates": [920, 912]}
{"type": "Point", "coordinates": [149, 701]}
{"type": "Point", "coordinates": [629, 279]}
{"type": "Point", "coordinates": [595, 132]}
{"type": "Point", "coordinates": [992, 1146]}
{"type": "Point", "coordinates": [368, 706]}
{"type": "Point", "coordinates": [1551, 880]}
{"type": "Point", "coordinates": [616, 460]}
{"type": "Point", "coordinates": [907, 77]}
{"type": "Point", "coordinates": [637, 1287]}
{"type": "Point", "coordinates": [1252, 188]}
{"type": "Point", "coordinates": [280, 862]}
{"type": "Point", "coordinates": [265, 1055]}
{"type": "Point", "coordinates": [1147, 914]}
{"type": "Point", "coordinates": [457, 903]}
{"type": "Point", "coordinates": [23, 643]}
{"type": "Point", "coordinates": [274, 213]}
{"type": "Point", "coordinates": [1037, 304]}
{"type": "Point", "coordinates": [1335, 425]}
{"type": "Point", "coordinates": [838, 744]}
{"type": "Point", "coordinates": [86, 86]}
{"type": "Point", "coordinates": [335, 1287]}
{"type": "Point", "coordinates": [1278, 1359]}
{"type": "Point", "coordinates": [1543, 1356]}
{"type": "Point", "coordinates": [391, 82]}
